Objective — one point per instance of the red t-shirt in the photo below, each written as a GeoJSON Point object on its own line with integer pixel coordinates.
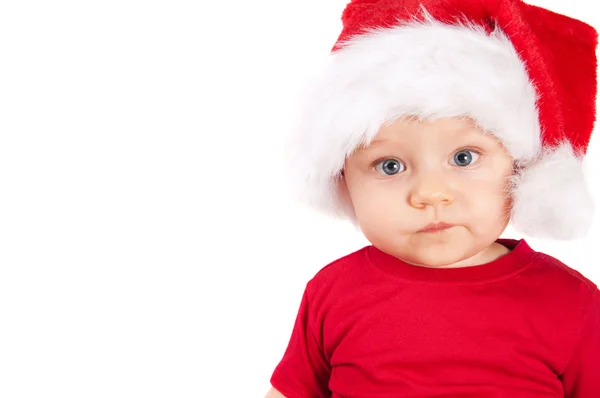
{"type": "Point", "coordinates": [373, 326]}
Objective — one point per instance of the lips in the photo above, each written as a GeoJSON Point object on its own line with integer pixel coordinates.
{"type": "Point", "coordinates": [435, 227]}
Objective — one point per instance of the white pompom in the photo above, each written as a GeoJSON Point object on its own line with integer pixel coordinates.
{"type": "Point", "coordinates": [551, 199]}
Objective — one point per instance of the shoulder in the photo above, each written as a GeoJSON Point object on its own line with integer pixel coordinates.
{"type": "Point", "coordinates": [343, 271]}
{"type": "Point", "coordinates": [562, 278]}
{"type": "Point", "coordinates": [558, 269]}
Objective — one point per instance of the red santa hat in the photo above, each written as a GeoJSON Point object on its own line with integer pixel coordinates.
{"type": "Point", "coordinates": [523, 73]}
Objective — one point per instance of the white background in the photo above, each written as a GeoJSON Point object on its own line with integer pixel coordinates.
{"type": "Point", "coordinates": [147, 247]}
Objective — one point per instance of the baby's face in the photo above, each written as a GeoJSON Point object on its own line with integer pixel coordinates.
{"type": "Point", "coordinates": [415, 173]}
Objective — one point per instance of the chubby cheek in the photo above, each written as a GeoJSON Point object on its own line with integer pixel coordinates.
{"type": "Point", "coordinates": [383, 215]}
{"type": "Point", "coordinates": [489, 204]}
{"type": "Point", "coordinates": [368, 208]}
{"type": "Point", "coordinates": [376, 201]}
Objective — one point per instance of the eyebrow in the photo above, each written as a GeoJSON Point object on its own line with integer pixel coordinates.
{"type": "Point", "coordinates": [376, 143]}
{"type": "Point", "coordinates": [382, 143]}
{"type": "Point", "coordinates": [467, 132]}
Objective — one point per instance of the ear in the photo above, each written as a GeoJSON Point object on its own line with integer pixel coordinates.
{"type": "Point", "coordinates": [342, 187]}
{"type": "Point", "coordinates": [517, 167]}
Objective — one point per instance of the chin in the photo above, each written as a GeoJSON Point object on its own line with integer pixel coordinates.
{"type": "Point", "coordinates": [436, 252]}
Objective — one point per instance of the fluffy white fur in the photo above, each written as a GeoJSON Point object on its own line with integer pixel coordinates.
{"type": "Point", "coordinates": [426, 69]}
{"type": "Point", "coordinates": [551, 197]}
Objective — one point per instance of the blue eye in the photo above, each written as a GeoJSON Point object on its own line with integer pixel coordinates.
{"type": "Point", "coordinates": [390, 167]}
{"type": "Point", "coordinates": [464, 158]}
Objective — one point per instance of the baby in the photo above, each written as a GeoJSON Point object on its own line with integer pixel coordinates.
{"type": "Point", "coordinates": [435, 124]}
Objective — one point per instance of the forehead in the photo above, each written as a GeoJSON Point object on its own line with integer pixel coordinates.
{"type": "Point", "coordinates": [410, 131]}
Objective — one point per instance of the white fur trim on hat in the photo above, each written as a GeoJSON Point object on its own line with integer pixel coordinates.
{"type": "Point", "coordinates": [551, 197]}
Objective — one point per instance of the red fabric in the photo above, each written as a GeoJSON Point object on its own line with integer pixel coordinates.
{"type": "Point", "coordinates": [372, 326]}
{"type": "Point", "coordinates": [558, 51]}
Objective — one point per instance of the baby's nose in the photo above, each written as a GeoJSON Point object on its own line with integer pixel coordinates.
{"type": "Point", "coordinates": [430, 189]}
